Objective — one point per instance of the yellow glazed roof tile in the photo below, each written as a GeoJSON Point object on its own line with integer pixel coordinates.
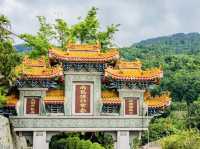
{"type": "Point", "coordinates": [83, 47]}
{"type": "Point", "coordinates": [161, 101]}
{"type": "Point", "coordinates": [121, 64]}
{"type": "Point", "coordinates": [11, 100]}
{"type": "Point", "coordinates": [40, 62]}
{"type": "Point", "coordinates": [84, 55]}
{"type": "Point", "coordinates": [37, 68]}
{"type": "Point", "coordinates": [134, 74]}
{"type": "Point", "coordinates": [110, 97]}
{"type": "Point", "coordinates": [54, 96]}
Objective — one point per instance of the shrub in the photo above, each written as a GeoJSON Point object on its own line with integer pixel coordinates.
{"type": "Point", "coordinates": [80, 144]}
{"type": "Point", "coordinates": [136, 143]}
{"type": "Point", "coordinates": [87, 144]}
{"type": "Point", "coordinates": [159, 128]}
{"type": "Point", "coordinates": [60, 144]}
{"type": "Point", "coordinates": [84, 144]}
{"type": "Point", "coordinates": [189, 139]}
{"type": "Point", "coordinates": [72, 142]}
{"type": "Point", "coordinates": [96, 146]}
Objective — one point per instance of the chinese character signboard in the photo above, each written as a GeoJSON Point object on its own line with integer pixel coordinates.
{"type": "Point", "coordinates": [82, 99]}
{"type": "Point", "coordinates": [32, 105]}
{"type": "Point", "coordinates": [131, 106]}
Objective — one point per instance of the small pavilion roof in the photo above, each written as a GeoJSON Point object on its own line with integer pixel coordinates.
{"type": "Point", "coordinates": [131, 71]}
{"type": "Point", "coordinates": [161, 101]}
{"type": "Point", "coordinates": [37, 69]}
{"type": "Point", "coordinates": [11, 100]}
{"type": "Point", "coordinates": [110, 97]}
{"type": "Point", "coordinates": [137, 75]}
{"type": "Point", "coordinates": [83, 53]}
{"type": "Point", "coordinates": [54, 96]}
{"type": "Point", "coordinates": [39, 62]}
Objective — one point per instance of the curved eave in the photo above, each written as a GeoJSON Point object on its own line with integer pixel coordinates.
{"type": "Point", "coordinates": [11, 101]}
{"type": "Point", "coordinates": [132, 78]}
{"type": "Point", "coordinates": [40, 75]}
{"type": "Point", "coordinates": [55, 101]}
{"type": "Point", "coordinates": [96, 57]}
{"type": "Point", "coordinates": [165, 105]}
{"type": "Point", "coordinates": [158, 104]}
{"type": "Point", "coordinates": [111, 100]}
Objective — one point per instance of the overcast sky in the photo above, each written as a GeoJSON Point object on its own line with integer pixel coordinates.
{"type": "Point", "coordinates": [139, 19]}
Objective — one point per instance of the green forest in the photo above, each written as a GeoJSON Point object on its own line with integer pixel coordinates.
{"type": "Point", "coordinates": [178, 56]}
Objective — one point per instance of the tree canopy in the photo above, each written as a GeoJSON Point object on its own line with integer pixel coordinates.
{"type": "Point", "coordinates": [9, 58]}
{"type": "Point", "coordinates": [59, 33]}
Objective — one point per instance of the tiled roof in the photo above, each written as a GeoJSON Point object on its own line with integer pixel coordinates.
{"type": "Point", "coordinates": [84, 53]}
{"type": "Point", "coordinates": [110, 97]}
{"type": "Point", "coordinates": [121, 64]}
{"type": "Point", "coordinates": [40, 72]}
{"type": "Point", "coordinates": [161, 101]}
{"type": "Point", "coordinates": [54, 96]}
{"type": "Point", "coordinates": [11, 100]}
{"type": "Point", "coordinates": [38, 69]}
{"type": "Point", "coordinates": [134, 74]}
{"type": "Point", "coordinates": [40, 62]}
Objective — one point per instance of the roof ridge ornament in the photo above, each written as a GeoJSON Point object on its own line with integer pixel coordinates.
{"type": "Point", "coordinates": [124, 64]}
{"type": "Point", "coordinates": [85, 47]}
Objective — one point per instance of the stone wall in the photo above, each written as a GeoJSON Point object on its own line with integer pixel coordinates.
{"type": "Point", "coordinates": [5, 134]}
{"type": "Point", "coordinates": [8, 138]}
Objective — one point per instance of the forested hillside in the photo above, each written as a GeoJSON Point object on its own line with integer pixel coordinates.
{"type": "Point", "coordinates": [22, 48]}
{"type": "Point", "coordinates": [178, 55]}
{"type": "Point", "coordinates": [179, 42]}
{"type": "Point", "coordinates": [181, 67]}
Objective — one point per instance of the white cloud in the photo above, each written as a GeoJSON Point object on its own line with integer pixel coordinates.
{"type": "Point", "coordinates": [139, 19]}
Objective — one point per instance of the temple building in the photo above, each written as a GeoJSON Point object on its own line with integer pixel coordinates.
{"type": "Point", "coordinates": [83, 89]}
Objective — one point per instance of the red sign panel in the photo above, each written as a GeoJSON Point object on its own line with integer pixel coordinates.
{"type": "Point", "coordinates": [131, 106]}
{"type": "Point", "coordinates": [82, 99]}
{"type": "Point", "coordinates": [32, 105]}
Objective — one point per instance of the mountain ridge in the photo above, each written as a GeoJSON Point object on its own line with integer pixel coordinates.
{"type": "Point", "coordinates": [178, 42]}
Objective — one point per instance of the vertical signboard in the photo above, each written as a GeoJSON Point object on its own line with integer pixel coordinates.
{"type": "Point", "coordinates": [82, 99]}
{"type": "Point", "coordinates": [32, 105]}
{"type": "Point", "coordinates": [131, 106]}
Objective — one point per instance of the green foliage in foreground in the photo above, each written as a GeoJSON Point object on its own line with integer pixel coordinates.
{"type": "Point", "coordinates": [82, 140]}
{"type": "Point", "coordinates": [162, 127]}
{"type": "Point", "coordinates": [189, 139]}
{"type": "Point", "coordinates": [74, 143]}
{"type": "Point", "coordinates": [177, 121]}
{"type": "Point", "coordinates": [136, 142]}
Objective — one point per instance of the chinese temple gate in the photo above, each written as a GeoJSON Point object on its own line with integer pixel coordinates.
{"type": "Point", "coordinates": [83, 89]}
